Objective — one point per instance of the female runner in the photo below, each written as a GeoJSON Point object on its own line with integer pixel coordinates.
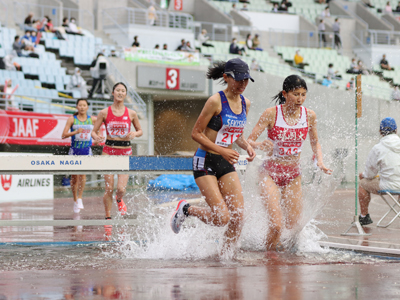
{"type": "Point", "coordinates": [280, 176]}
{"type": "Point", "coordinates": [219, 125]}
{"type": "Point", "coordinates": [79, 128]}
{"type": "Point", "coordinates": [117, 119]}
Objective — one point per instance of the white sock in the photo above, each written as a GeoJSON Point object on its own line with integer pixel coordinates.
{"type": "Point", "coordinates": [362, 216]}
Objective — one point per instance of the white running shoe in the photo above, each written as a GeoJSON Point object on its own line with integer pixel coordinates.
{"type": "Point", "coordinates": [76, 208]}
{"type": "Point", "coordinates": [80, 204]}
{"type": "Point", "coordinates": [178, 217]}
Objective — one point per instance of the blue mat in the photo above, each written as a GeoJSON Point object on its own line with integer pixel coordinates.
{"type": "Point", "coordinates": [174, 182]}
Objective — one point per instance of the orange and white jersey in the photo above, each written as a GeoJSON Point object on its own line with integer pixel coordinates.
{"type": "Point", "coordinates": [288, 139]}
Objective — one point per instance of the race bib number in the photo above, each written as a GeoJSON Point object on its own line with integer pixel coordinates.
{"type": "Point", "coordinates": [85, 135]}
{"type": "Point", "coordinates": [118, 130]}
{"type": "Point", "coordinates": [288, 148]}
{"type": "Point", "coordinates": [227, 135]}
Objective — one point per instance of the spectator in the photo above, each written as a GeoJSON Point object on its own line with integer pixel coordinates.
{"type": "Point", "coordinates": [65, 23]}
{"type": "Point", "coordinates": [235, 49]}
{"type": "Point", "coordinates": [28, 23]}
{"type": "Point", "coordinates": [327, 81]}
{"type": "Point", "coordinates": [321, 32]}
{"type": "Point", "coordinates": [384, 64]}
{"type": "Point", "coordinates": [336, 31]}
{"type": "Point", "coordinates": [256, 43]}
{"type": "Point", "coordinates": [49, 27]}
{"type": "Point", "coordinates": [350, 85]}
{"type": "Point", "coordinates": [77, 82]}
{"type": "Point", "coordinates": [157, 47]}
{"type": "Point", "coordinates": [135, 42]}
{"type": "Point", "coordinates": [332, 73]}
{"type": "Point", "coordinates": [398, 7]}
{"type": "Point", "coordinates": [18, 46]}
{"type": "Point", "coordinates": [113, 53]}
{"type": "Point", "coordinates": [275, 8]}
{"type": "Point", "coordinates": [27, 41]}
{"type": "Point", "coordinates": [73, 29]}
{"type": "Point", "coordinates": [244, 8]}
{"type": "Point", "coordinates": [233, 7]}
{"type": "Point", "coordinates": [203, 38]}
{"type": "Point", "coordinates": [255, 66]}
{"type": "Point", "coordinates": [396, 94]}
{"type": "Point", "coordinates": [383, 160]}
{"type": "Point", "coordinates": [9, 90]}
{"type": "Point", "coordinates": [388, 8]}
{"type": "Point", "coordinates": [97, 73]}
{"type": "Point", "coordinates": [326, 13]}
{"type": "Point", "coordinates": [353, 67]}
{"type": "Point", "coordinates": [283, 6]}
{"type": "Point", "coordinates": [165, 47]}
{"type": "Point", "coordinates": [151, 15]}
{"type": "Point", "coordinates": [188, 47]}
{"type": "Point", "coordinates": [182, 46]}
{"type": "Point", "coordinates": [361, 68]}
{"type": "Point", "coordinates": [298, 60]}
{"type": "Point", "coordinates": [249, 42]}
{"type": "Point", "coordinates": [9, 64]}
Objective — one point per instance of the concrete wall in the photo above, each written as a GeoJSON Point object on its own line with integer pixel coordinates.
{"type": "Point", "coordinates": [373, 54]}
{"type": "Point", "coordinates": [374, 23]}
{"type": "Point", "coordinates": [206, 12]}
{"type": "Point", "coordinates": [266, 21]}
{"type": "Point", "coordinates": [393, 21]}
{"type": "Point", "coordinates": [241, 18]}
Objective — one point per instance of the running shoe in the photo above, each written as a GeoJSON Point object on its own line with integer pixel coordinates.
{"type": "Point", "coordinates": [365, 220]}
{"type": "Point", "coordinates": [121, 207]}
{"type": "Point", "coordinates": [80, 204]}
{"type": "Point", "coordinates": [178, 216]}
{"type": "Point", "coordinates": [76, 207]}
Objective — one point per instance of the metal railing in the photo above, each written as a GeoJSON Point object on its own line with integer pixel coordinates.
{"type": "Point", "coordinates": [84, 18]}
{"type": "Point", "coordinates": [377, 37]}
{"type": "Point", "coordinates": [138, 104]}
{"type": "Point", "coordinates": [123, 16]}
{"type": "Point", "coordinates": [302, 38]}
{"type": "Point", "coordinates": [44, 104]}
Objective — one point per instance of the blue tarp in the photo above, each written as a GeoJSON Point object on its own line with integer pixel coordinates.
{"type": "Point", "coordinates": [176, 182]}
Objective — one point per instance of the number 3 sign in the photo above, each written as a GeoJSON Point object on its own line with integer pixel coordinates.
{"type": "Point", "coordinates": [172, 79]}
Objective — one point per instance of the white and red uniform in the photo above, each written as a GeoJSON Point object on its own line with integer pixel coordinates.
{"type": "Point", "coordinates": [287, 140]}
{"type": "Point", "coordinates": [117, 127]}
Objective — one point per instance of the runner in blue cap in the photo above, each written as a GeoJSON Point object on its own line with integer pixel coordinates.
{"type": "Point", "coordinates": [219, 125]}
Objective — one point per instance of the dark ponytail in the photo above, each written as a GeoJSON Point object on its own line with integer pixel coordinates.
{"type": "Point", "coordinates": [290, 83]}
{"type": "Point", "coordinates": [217, 71]}
{"type": "Point", "coordinates": [77, 102]}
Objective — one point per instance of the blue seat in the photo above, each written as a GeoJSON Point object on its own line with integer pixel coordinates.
{"type": "Point", "coordinates": [60, 86]}
{"type": "Point", "coordinates": [393, 204]}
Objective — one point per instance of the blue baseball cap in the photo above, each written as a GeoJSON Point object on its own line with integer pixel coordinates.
{"type": "Point", "coordinates": [238, 69]}
{"type": "Point", "coordinates": [388, 125]}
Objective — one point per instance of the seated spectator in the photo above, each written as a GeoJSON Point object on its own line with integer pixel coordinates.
{"type": "Point", "coordinates": [65, 23]}
{"type": "Point", "coordinates": [182, 46]}
{"type": "Point", "coordinates": [327, 81]}
{"type": "Point", "coordinates": [388, 8]}
{"type": "Point", "coordinates": [235, 49]}
{"type": "Point", "coordinates": [135, 42]}
{"type": "Point", "coordinates": [165, 47]}
{"type": "Point", "coordinates": [283, 6]}
{"type": "Point", "coordinates": [361, 68]}
{"type": "Point", "coordinates": [26, 40]}
{"type": "Point", "coordinates": [350, 85]}
{"type": "Point", "coordinates": [249, 42]}
{"type": "Point", "coordinates": [326, 13]}
{"type": "Point", "coordinates": [383, 160]}
{"type": "Point", "coordinates": [28, 23]}
{"type": "Point", "coordinates": [353, 67]}
{"type": "Point", "coordinates": [157, 47]}
{"type": "Point", "coordinates": [396, 94]}
{"type": "Point", "coordinates": [298, 60]}
{"type": "Point", "coordinates": [244, 8]}
{"type": "Point", "coordinates": [275, 9]}
{"type": "Point", "coordinates": [188, 47]}
{"type": "Point", "coordinates": [9, 65]}
{"type": "Point", "coordinates": [77, 82]}
{"type": "Point", "coordinates": [203, 38]}
{"type": "Point", "coordinates": [398, 7]}
{"type": "Point", "coordinates": [255, 66]}
{"type": "Point", "coordinates": [233, 6]}
{"type": "Point", "coordinates": [49, 26]}
{"type": "Point", "coordinates": [73, 29]}
{"type": "Point", "coordinates": [18, 46]}
{"type": "Point", "coordinates": [384, 64]}
{"type": "Point", "coordinates": [332, 73]}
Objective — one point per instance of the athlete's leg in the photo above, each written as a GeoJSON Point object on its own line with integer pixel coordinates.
{"type": "Point", "coordinates": [217, 213]}
{"type": "Point", "coordinates": [231, 190]}
{"type": "Point", "coordinates": [81, 185]}
{"type": "Point", "coordinates": [272, 197]}
{"type": "Point", "coordinates": [292, 202]}
{"type": "Point", "coordinates": [121, 185]}
{"type": "Point", "coordinates": [109, 189]}
{"type": "Point", "coordinates": [74, 186]}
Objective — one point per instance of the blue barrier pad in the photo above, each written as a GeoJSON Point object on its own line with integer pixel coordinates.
{"type": "Point", "coordinates": [160, 163]}
{"type": "Point", "coordinates": [389, 191]}
{"type": "Point", "coordinates": [176, 182]}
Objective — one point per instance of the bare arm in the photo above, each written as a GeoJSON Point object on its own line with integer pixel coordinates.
{"type": "Point", "coordinates": [96, 128]}
{"type": "Point", "coordinates": [315, 145]}
{"type": "Point", "coordinates": [135, 122]}
{"type": "Point", "coordinates": [211, 108]}
{"type": "Point", "coordinates": [66, 133]}
{"type": "Point", "coordinates": [242, 143]}
{"type": "Point", "coordinates": [266, 121]}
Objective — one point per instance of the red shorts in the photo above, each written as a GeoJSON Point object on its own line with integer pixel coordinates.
{"type": "Point", "coordinates": [117, 151]}
{"type": "Point", "coordinates": [282, 175]}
